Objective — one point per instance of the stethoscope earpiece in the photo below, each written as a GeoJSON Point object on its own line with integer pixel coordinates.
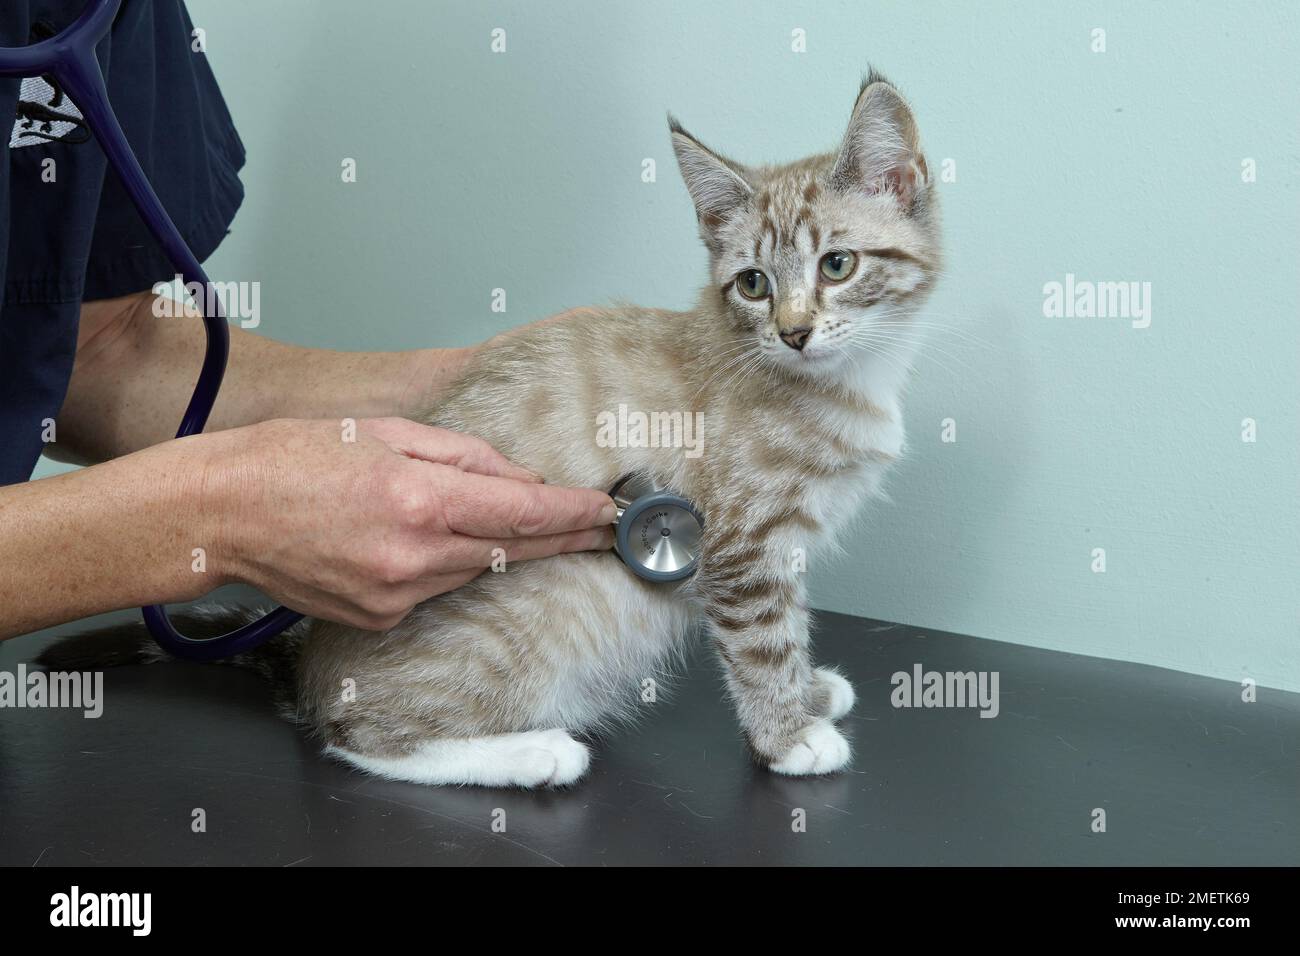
{"type": "Point", "coordinates": [659, 533]}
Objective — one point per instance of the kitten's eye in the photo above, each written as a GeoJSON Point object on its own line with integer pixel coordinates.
{"type": "Point", "coordinates": [838, 266]}
{"type": "Point", "coordinates": [752, 284]}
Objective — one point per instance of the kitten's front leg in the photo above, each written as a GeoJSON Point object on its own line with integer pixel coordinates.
{"type": "Point", "coordinates": [759, 619]}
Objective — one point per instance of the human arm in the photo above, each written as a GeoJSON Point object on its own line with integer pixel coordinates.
{"type": "Point", "coordinates": [135, 371]}
{"type": "Point", "coordinates": [357, 531]}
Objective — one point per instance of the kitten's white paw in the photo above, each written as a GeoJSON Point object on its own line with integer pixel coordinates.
{"type": "Point", "coordinates": [552, 759]}
{"type": "Point", "coordinates": [820, 749]}
{"type": "Point", "coordinates": [529, 758]}
{"type": "Point", "coordinates": [837, 692]}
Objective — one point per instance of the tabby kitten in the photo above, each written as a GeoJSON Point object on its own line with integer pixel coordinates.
{"type": "Point", "coordinates": [795, 358]}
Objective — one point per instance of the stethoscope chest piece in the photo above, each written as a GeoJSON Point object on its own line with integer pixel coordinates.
{"type": "Point", "coordinates": [659, 533]}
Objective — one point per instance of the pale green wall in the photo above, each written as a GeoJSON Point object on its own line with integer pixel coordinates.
{"type": "Point", "coordinates": [522, 170]}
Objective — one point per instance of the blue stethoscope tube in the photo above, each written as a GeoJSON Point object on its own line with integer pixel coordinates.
{"type": "Point", "coordinates": [70, 59]}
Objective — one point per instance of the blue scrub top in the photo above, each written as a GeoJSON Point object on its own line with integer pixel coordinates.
{"type": "Point", "coordinates": [79, 237]}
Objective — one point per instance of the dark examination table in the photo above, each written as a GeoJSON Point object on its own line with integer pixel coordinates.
{"type": "Point", "coordinates": [1186, 772]}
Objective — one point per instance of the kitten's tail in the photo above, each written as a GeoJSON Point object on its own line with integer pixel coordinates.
{"type": "Point", "coordinates": [130, 643]}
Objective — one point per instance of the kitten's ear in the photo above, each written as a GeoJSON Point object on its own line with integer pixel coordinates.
{"type": "Point", "coordinates": [717, 185]}
{"type": "Point", "coordinates": [882, 149]}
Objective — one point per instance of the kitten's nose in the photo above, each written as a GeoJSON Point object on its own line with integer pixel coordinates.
{"type": "Point", "coordinates": [796, 338]}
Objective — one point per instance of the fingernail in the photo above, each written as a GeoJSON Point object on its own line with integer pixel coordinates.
{"type": "Point", "coordinates": [609, 513]}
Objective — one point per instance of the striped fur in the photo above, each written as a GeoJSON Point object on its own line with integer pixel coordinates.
{"type": "Point", "coordinates": [486, 684]}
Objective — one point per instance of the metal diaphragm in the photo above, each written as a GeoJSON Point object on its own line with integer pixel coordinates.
{"type": "Point", "coordinates": [659, 533]}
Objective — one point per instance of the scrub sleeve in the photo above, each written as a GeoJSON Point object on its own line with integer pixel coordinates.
{"type": "Point", "coordinates": [68, 231]}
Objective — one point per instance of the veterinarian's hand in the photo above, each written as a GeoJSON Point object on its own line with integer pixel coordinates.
{"type": "Point", "coordinates": [359, 525]}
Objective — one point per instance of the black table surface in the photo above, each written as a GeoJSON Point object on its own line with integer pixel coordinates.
{"type": "Point", "coordinates": [1186, 772]}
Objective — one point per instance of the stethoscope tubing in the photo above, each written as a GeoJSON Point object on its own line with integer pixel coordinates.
{"type": "Point", "coordinates": [70, 59]}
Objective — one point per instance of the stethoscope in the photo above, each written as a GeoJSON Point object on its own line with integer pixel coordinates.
{"type": "Point", "coordinates": [658, 533]}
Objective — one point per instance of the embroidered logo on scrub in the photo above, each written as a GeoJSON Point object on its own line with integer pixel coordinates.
{"type": "Point", "coordinates": [45, 113]}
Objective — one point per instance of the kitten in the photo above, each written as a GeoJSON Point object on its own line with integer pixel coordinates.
{"type": "Point", "coordinates": [795, 358]}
